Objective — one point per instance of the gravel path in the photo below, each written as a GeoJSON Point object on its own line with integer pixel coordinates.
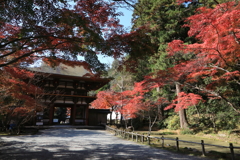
{"type": "Point", "coordinates": [79, 144]}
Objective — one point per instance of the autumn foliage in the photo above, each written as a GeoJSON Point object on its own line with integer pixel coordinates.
{"type": "Point", "coordinates": [204, 68]}
{"type": "Point", "coordinates": [55, 32]}
{"type": "Point", "coordinates": [130, 103]}
{"type": "Point", "coordinates": [209, 67]}
{"type": "Point", "coordinates": [216, 54]}
{"type": "Point", "coordinates": [19, 96]}
{"type": "Point", "coordinates": [183, 101]}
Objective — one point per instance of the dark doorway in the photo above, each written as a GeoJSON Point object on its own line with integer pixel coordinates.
{"type": "Point", "coordinates": [62, 115]}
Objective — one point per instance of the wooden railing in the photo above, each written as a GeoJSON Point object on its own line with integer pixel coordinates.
{"type": "Point", "coordinates": [145, 138]}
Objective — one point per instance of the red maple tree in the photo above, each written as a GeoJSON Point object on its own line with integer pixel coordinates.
{"type": "Point", "coordinates": [212, 63]}
{"type": "Point", "coordinates": [20, 98]}
{"type": "Point", "coordinates": [53, 32]}
{"type": "Point", "coordinates": [216, 52]}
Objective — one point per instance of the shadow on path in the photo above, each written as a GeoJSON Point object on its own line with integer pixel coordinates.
{"type": "Point", "coordinates": [64, 144]}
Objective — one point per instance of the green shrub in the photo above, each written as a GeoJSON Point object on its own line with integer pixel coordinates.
{"type": "Point", "coordinates": [230, 121]}
{"type": "Point", "coordinates": [173, 122]}
{"type": "Point", "coordinates": [209, 130]}
{"type": "Point", "coordinates": [160, 125]}
{"type": "Point", "coordinates": [212, 117]}
{"type": "Point", "coordinates": [187, 131]}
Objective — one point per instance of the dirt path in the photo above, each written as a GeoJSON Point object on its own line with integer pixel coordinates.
{"type": "Point", "coordinates": [79, 144]}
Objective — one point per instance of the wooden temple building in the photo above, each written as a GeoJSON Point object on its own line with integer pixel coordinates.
{"type": "Point", "coordinates": [67, 96]}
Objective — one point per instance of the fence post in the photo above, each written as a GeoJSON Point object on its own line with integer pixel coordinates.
{"type": "Point", "coordinates": [203, 148]}
{"type": "Point", "coordinates": [148, 140]}
{"type": "Point", "coordinates": [115, 132]}
{"type": "Point", "coordinates": [143, 138]}
{"type": "Point", "coordinates": [136, 137]}
{"type": "Point", "coordinates": [177, 144]}
{"type": "Point", "coordinates": [162, 141]}
{"type": "Point", "coordinates": [132, 136]}
{"type": "Point", "coordinates": [232, 151]}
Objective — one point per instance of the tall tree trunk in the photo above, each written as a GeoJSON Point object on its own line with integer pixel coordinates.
{"type": "Point", "coordinates": [149, 126]}
{"type": "Point", "coordinates": [116, 120]}
{"type": "Point", "coordinates": [121, 120]}
{"type": "Point", "coordinates": [160, 108]}
{"type": "Point", "coordinates": [182, 113]}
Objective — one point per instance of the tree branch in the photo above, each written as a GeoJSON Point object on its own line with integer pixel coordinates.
{"type": "Point", "coordinates": [217, 95]}
{"type": "Point", "coordinates": [216, 1]}
{"type": "Point", "coordinates": [23, 56]}
{"type": "Point", "coordinates": [227, 72]}
{"type": "Point", "coordinates": [235, 38]}
{"type": "Point", "coordinates": [12, 52]}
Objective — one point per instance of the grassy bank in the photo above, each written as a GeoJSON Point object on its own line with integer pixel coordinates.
{"type": "Point", "coordinates": [213, 152]}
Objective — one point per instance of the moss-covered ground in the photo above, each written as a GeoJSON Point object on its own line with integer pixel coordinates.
{"type": "Point", "coordinates": [213, 152]}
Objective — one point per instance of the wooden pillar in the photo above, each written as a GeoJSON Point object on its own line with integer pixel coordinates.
{"type": "Point", "coordinates": [73, 113]}
{"type": "Point", "coordinates": [51, 112]}
{"type": "Point", "coordinates": [87, 115]}
{"type": "Point", "coordinates": [33, 120]}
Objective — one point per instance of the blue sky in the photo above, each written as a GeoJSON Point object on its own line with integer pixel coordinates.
{"type": "Point", "coordinates": [124, 20]}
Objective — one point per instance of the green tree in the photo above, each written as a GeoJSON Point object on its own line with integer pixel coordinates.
{"type": "Point", "coordinates": [164, 20]}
